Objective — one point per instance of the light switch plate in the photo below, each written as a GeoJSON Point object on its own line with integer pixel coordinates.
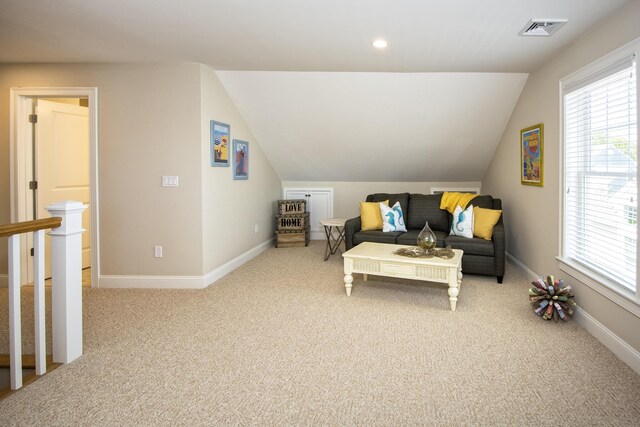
{"type": "Point", "coordinates": [169, 181]}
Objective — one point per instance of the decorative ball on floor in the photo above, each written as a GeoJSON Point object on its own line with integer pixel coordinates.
{"type": "Point", "coordinates": [552, 299]}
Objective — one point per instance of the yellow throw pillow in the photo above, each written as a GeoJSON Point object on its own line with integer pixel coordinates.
{"type": "Point", "coordinates": [371, 216]}
{"type": "Point", "coordinates": [484, 221]}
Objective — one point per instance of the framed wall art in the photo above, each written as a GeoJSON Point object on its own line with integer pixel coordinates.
{"type": "Point", "coordinates": [531, 155]}
{"type": "Point", "coordinates": [240, 159]}
{"type": "Point", "coordinates": [219, 141]}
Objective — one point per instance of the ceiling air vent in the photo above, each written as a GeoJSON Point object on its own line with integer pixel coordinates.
{"type": "Point", "coordinates": [542, 27]}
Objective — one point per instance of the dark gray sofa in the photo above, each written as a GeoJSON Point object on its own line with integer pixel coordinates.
{"type": "Point", "coordinates": [485, 257]}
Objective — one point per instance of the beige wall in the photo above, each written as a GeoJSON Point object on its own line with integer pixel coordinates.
{"type": "Point", "coordinates": [347, 195]}
{"type": "Point", "coordinates": [149, 126]}
{"type": "Point", "coordinates": [532, 213]}
{"type": "Point", "coordinates": [231, 208]}
{"type": "Point", "coordinates": [154, 121]}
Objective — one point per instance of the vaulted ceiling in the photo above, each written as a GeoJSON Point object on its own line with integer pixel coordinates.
{"type": "Point", "coordinates": [323, 103]}
{"type": "Point", "coordinates": [376, 126]}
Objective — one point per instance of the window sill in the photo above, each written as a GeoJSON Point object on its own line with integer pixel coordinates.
{"type": "Point", "coordinates": [625, 299]}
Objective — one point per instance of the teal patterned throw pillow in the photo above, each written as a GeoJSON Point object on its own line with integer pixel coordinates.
{"type": "Point", "coordinates": [462, 223]}
{"type": "Point", "coordinates": [392, 218]}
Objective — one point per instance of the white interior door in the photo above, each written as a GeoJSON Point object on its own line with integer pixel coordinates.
{"type": "Point", "coordinates": [62, 165]}
{"type": "Point", "coordinates": [320, 208]}
{"type": "Point", "coordinates": [297, 195]}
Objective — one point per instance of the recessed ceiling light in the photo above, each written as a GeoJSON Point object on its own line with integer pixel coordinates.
{"type": "Point", "coordinates": [380, 43]}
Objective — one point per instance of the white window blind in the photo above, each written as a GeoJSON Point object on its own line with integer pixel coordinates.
{"type": "Point", "coordinates": [600, 173]}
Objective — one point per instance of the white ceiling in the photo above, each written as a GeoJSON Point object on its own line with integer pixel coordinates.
{"type": "Point", "coordinates": [294, 35]}
{"type": "Point", "coordinates": [320, 100]}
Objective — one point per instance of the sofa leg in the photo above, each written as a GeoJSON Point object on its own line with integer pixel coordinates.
{"type": "Point", "coordinates": [500, 279]}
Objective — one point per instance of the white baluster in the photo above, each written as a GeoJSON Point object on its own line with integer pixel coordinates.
{"type": "Point", "coordinates": [39, 302]}
{"type": "Point", "coordinates": [15, 329]}
{"type": "Point", "coordinates": [66, 277]}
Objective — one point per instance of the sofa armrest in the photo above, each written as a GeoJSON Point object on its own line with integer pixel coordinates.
{"type": "Point", "coordinates": [498, 239]}
{"type": "Point", "coordinates": [351, 227]}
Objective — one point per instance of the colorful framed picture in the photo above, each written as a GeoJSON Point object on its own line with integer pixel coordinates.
{"type": "Point", "coordinates": [531, 155]}
{"type": "Point", "coordinates": [240, 159]}
{"type": "Point", "coordinates": [220, 137]}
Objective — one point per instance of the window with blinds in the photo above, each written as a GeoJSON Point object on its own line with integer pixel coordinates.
{"type": "Point", "coordinates": [600, 173]}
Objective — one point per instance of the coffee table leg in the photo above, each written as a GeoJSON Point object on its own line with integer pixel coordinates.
{"type": "Point", "coordinates": [453, 297]}
{"type": "Point", "coordinates": [348, 280]}
{"type": "Point", "coordinates": [454, 287]}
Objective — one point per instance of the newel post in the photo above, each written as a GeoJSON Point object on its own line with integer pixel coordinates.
{"type": "Point", "coordinates": [66, 277]}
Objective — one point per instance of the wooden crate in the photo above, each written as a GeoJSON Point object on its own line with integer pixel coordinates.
{"type": "Point", "coordinates": [292, 222]}
{"type": "Point", "coordinates": [290, 240]}
{"type": "Point", "coordinates": [287, 207]}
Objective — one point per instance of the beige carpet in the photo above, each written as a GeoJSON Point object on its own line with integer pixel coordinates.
{"type": "Point", "coordinates": [278, 342]}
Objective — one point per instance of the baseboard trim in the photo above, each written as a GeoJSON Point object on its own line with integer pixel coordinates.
{"type": "Point", "coordinates": [613, 342]}
{"type": "Point", "coordinates": [617, 345]}
{"type": "Point", "coordinates": [181, 282]}
{"type": "Point", "coordinates": [226, 268]}
{"type": "Point", "coordinates": [149, 282]}
{"type": "Point", "coordinates": [317, 235]}
{"type": "Point", "coordinates": [4, 280]}
{"type": "Point", "coordinates": [523, 267]}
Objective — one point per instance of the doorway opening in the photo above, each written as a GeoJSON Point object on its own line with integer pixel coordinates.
{"type": "Point", "coordinates": [54, 157]}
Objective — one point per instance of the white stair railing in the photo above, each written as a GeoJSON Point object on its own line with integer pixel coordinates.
{"type": "Point", "coordinates": [66, 294]}
{"type": "Point", "coordinates": [66, 281]}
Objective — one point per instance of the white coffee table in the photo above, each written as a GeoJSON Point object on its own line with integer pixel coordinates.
{"type": "Point", "coordinates": [379, 259]}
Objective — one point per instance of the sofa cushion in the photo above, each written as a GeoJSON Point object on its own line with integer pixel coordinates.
{"type": "Point", "coordinates": [403, 198]}
{"type": "Point", "coordinates": [475, 246]}
{"type": "Point", "coordinates": [377, 236]}
{"type": "Point", "coordinates": [411, 237]}
{"type": "Point", "coordinates": [485, 201]}
{"type": "Point", "coordinates": [423, 208]}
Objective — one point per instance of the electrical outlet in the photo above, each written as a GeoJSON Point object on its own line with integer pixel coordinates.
{"type": "Point", "coordinates": [157, 251]}
{"type": "Point", "coordinates": [256, 228]}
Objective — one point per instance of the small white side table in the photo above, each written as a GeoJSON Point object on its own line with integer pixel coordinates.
{"type": "Point", "coordinates": [333, 242]}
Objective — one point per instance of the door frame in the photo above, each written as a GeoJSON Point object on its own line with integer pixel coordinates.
{"type": "Point", "coordinates": [20, 135]}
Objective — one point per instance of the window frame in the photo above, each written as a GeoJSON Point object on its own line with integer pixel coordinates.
{"type": "Point", "coordinates": [604, 286]}
{"type": "Point", "coordinates": [631, 214]}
